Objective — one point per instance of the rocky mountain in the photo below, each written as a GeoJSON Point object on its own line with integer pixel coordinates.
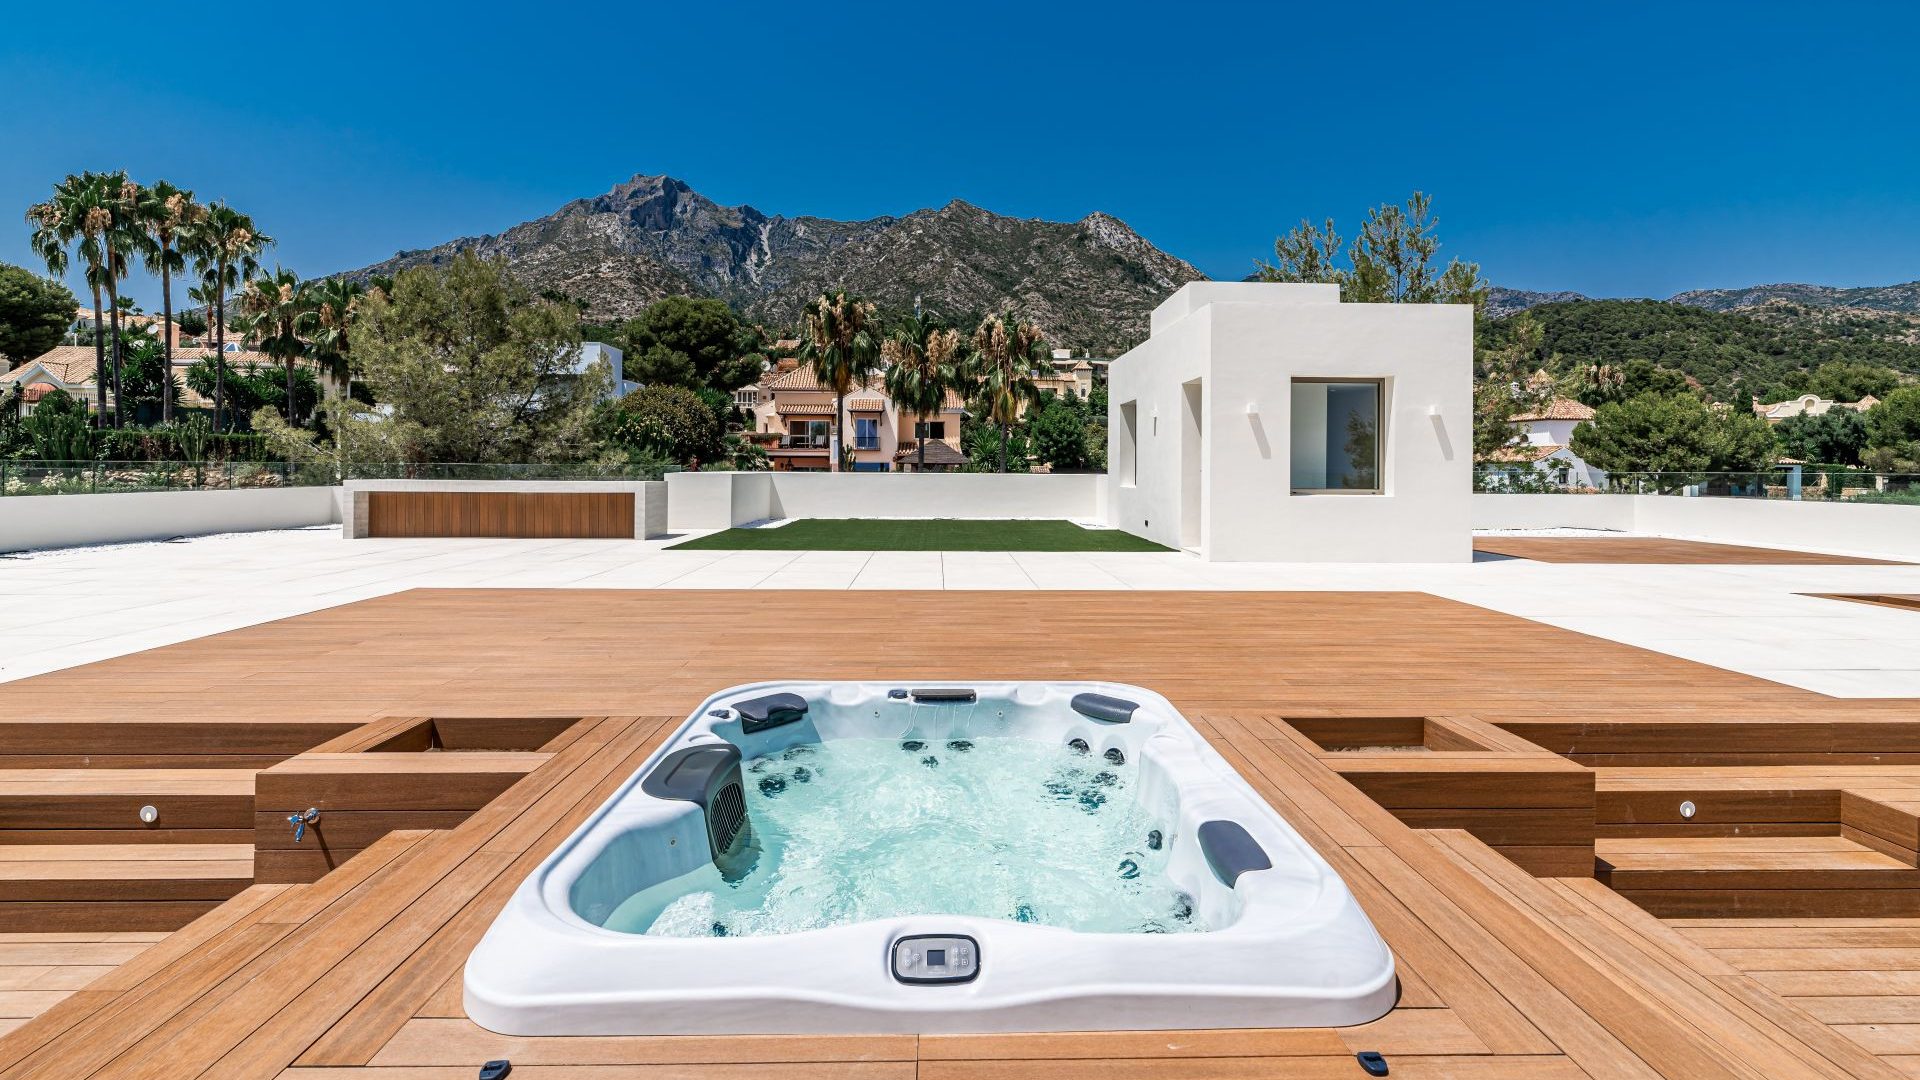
{"type": "Point", "coordinates": [1899, 298]}
{"type": "Point", "coordinates": [1502, 301]}
{"type": "Point", "coordinates": [1090, 283]}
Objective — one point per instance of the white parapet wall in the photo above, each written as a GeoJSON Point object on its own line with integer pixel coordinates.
{"type": "Point", "coordinates": [1839, 528]}
{"type": "Point", "coordinates": [1869, 529]}
{"type": "Point", "coordinates": [721, 500]}
{"type": "Point", "coordinates": [1611, 512]}
{"type": "Point", "coordinates": [31, 522]}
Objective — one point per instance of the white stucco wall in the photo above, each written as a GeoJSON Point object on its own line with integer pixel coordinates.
{"type": "Point", "coordinates": [1864, 529]}
{"type": "Point", "coordinates": [31, 522]}
{"type": "Point", "coordinates": [719, 500]}
{"type": "Point", "coordinates": [1246, 343]}
{"type": "Point", "coordinates": [938, 495]}
{"type": "Point", "coordinates": [1868, 529]}
{"type": "Point", "coordinates": [1554, 512]}
{"type": "Point", "coordinates": [1150, 377]}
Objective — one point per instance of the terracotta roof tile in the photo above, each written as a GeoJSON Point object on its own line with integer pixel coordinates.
{"type": "Point", "coordinates": [939, 452]}
{"type": "Point", "coordinates": [1559, 409]}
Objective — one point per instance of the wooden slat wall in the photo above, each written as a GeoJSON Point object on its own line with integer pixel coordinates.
{"type": "Point", "coordinates": [535, 515]}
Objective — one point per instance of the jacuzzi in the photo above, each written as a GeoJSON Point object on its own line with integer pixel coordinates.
{"type": "Point", "coordinates": [810, 857]}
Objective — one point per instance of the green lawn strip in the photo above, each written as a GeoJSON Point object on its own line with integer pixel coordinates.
{"type": "Point", "coordinates": [945, 534]}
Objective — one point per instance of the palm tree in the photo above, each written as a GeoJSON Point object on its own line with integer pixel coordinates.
{"type": "Point", "coordinates": [124, 239]}
{"type": "Point", "coordinates": [77, 215]}
{"type": "Point", "coordinates": [840, 337]}
{"type": "Point", "coordinates": [333, 303]}
{"type": "Point", "coordinates": [923, 361]}
{"type": "Point", "coordinates": [167, 213]}
{"type": "Point", "coordinates": [1008, 355]}
{"type": "Point", "coordinates": [277, 307]}
{"type": "Point", "coordinates": [225, 248]}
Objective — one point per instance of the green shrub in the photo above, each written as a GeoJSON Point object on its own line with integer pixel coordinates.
{"type": "Point", "coordinates": [670, 421]}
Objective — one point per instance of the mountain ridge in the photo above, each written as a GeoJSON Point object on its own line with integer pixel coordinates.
{"type": "Point", "coordinates": [1089, 283]}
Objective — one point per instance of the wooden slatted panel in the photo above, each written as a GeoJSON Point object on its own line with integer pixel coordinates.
{"type": "Point", "coordinates": [604, 515]}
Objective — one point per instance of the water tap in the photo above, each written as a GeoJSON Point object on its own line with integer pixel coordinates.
{"type": "Point", "coordinates": [300, 821]}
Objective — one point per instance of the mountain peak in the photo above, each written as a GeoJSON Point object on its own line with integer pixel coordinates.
{"type": "Point", "coordinates": [1091, 283]}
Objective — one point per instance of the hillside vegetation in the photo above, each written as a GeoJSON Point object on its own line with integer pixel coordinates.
{"type": "Point", "coordinates": [1768, 352]}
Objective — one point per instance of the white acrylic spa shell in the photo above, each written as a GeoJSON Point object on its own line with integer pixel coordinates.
{"type": "Point", "coordinates": [1290, 948]}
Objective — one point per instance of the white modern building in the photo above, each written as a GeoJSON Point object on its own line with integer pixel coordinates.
{"type": "Point", "coordinates": [593, 352]}
{"type": "Point", "coordinates": [1273, 422]}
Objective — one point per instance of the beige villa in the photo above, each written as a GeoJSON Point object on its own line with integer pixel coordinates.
{"type": "Point", "coordinates": [1809, 405]}
{"type": "Point", "coordinates": [70, 369]}
{"type": "Point", "coordinates": [792, 416]}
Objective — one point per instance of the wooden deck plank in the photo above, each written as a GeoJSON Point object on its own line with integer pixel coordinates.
{"type": "Point", "coordinates": [1501, 977]}
{"type": "Point", "coordinates": [358, 1034]}
{"type": "Point", "coordinates": [1655, 550]}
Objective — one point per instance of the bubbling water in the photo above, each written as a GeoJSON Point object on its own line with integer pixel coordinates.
{"type": "Point", "coordinates": [1000, 828]}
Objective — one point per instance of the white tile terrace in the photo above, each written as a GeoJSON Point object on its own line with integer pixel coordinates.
{"type": "Point", "coordinates": [59, 609]}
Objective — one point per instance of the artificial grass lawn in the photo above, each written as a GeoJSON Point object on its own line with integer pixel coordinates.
{"type": "Point", "coordinates": [945, 534]}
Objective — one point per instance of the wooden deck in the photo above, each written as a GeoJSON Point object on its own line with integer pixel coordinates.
{"type": "Point", "coordinates": [1902, 601]}
{"type": "Point", "coordinates": [1641, 549]}
{"type": "Point", "coordinates": [1451, 773]}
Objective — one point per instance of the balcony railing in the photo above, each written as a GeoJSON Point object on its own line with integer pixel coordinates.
{"type": "Point", "coordinates": [803, 442]}
{"type": "Point", "coordinates": [866, 442]}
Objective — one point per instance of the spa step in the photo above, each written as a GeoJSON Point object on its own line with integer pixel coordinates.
{"type": "Point", "coordinates": [1758, 877]}
{"type": "Point", "coordinates": [50, 887]}
{"type": "Point", "coordinates": [82, 806]}
{"type": "Point", "coordinates": [363, 796]}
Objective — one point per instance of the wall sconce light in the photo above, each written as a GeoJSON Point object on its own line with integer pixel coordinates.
{"type": "Point", "coordinates": [1253, 408]}
{"type": "Point", "coordinates": [1433, 410]}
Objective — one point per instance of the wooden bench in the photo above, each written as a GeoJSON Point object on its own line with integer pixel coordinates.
{"type": "Point", "coordinates": [77, 806]}
{"type": "Point", "coordinates": [1760, 876]}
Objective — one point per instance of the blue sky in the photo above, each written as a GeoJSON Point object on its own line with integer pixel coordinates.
{"type": "Point", "coordinates": [1617, 149]}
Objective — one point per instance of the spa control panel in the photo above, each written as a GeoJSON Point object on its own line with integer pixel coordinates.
{"type": "Point", "coordinates": [936, 958]}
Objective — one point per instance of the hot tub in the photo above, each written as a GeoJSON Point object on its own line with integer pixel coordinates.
{"type": "Point", "coordinates": [961, 857]}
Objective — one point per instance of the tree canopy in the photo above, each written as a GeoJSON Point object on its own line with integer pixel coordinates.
{"type": "Point", "coordinates": [470, 365]}
{"type": "Point", "coordinates": [34, 313]}
{"type": "Point", "coordinates": [1835, 437]}
{"type": "Point", "coordinates": [1851, 380]}
{"type": "Point", "coordinates": [1393, 260]}
{"type": "Point", "coordinates": [1673, 433]}
{"type": "Point", "coordinates": [1893, 431]}
{"type": "Point", "coordinates": [670, 422]}
{"type": "Point", "coordinates": [681, 341]}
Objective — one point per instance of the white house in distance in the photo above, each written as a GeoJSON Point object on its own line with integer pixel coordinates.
{"type": "Point", "coordinates": [592, 352]}
{"type": "Point", "coordinates": [1273, 422]}
{"type": "Point", "coordinates": [1544, 439]}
